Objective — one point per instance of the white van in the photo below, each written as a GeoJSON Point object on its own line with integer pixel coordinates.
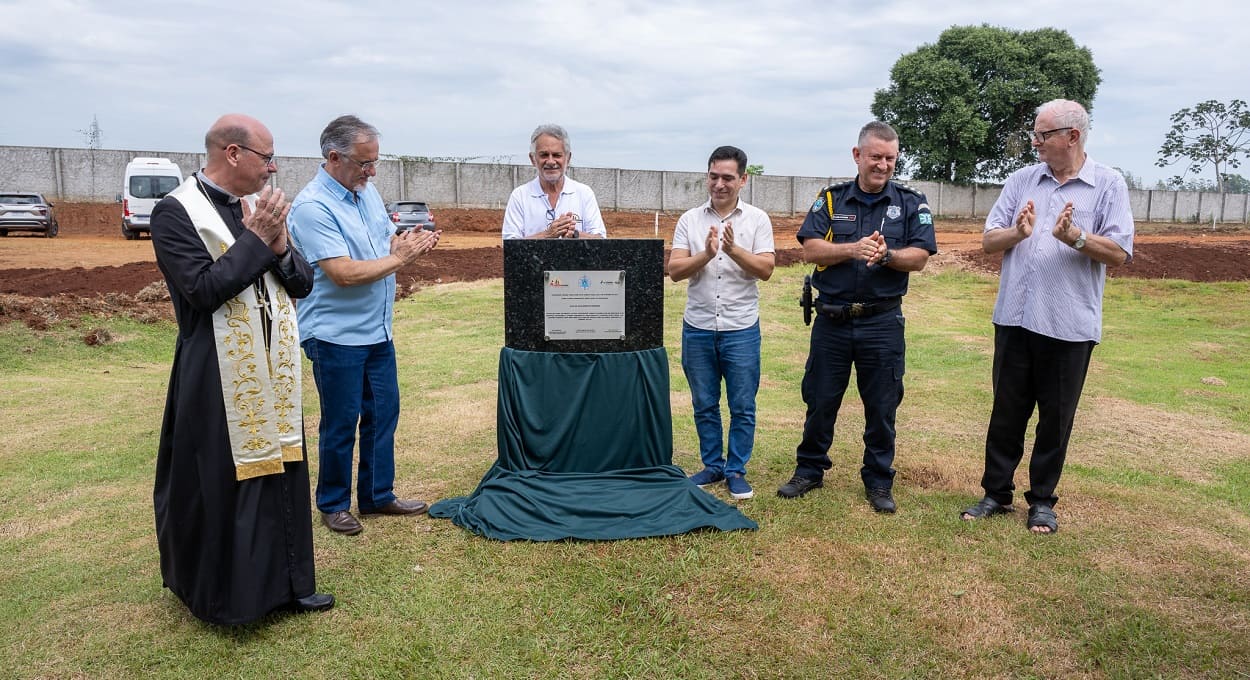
{"type": "Point", "coordinates": [147, 181]}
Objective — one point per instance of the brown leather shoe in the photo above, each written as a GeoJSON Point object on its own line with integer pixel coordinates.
{"type": "Point", "coordinates": [342, 522]}
{"type": "Point", "coordinates": [400, 507]}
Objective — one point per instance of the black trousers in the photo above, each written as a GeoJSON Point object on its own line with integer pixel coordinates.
{"type": "Point", "coordinates": [876, 346]}
{"type": "Point", "coordinates": [1032, 370]}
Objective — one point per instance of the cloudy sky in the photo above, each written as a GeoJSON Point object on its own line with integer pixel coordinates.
{"type": "Point", "coordinates": [638, 84]}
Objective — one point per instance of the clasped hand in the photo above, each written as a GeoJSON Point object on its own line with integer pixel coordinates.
{"type": "Point", "coordinates": [564, 226]}
{"type": "Point", "coordinates": [870, 249]}
{"type": "Point", "coordinates": [411, 244]}
{"type": "Point", "coordinates": [268, 219]}
{"type": "Point", "coordinates": [716, 242]}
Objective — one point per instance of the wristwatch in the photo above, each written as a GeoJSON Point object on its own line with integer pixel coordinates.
{"type": "Point", "coordinates": [1080, 241]}
{"type": "Point", "coordinates": [885, 259]}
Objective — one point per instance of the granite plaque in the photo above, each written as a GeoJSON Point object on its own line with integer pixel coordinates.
{"type": "Point", "coordinates": [527, 264]}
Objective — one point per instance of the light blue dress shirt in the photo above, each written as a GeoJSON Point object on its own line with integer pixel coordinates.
{"type": "Point", "coordinates": [329, 220]}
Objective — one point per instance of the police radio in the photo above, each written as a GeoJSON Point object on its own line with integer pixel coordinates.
{"type": "Point", "coordinates": [805, 301]}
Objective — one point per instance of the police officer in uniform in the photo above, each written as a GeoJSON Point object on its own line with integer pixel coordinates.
{"type": "Point", "coordinates": [864, 237]}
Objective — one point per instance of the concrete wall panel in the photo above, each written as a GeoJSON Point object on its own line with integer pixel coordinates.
{"type": "Point", "coordinates": [985, 196]}
{"type": "Point", "coordinates": [24, 168]}
{"type": "Point", "coordinates": [956, 201]}
{"type": "Point", "coordinates": [772, 194]}
{"type": "Point", "coordinates": [485, 185]}
{"type": "Point", "coordinates": [640, 190]}
{"type": "Point", "coordinates": [1139, 203]}
{"type": "Point", "coordinates": [603, 181]}
{"type": "Point", "coordinates": [86, 175]}
{"type": "Point", "coordinates": [1234, 208]}
{"type": "Point", "coordinates": [1188, 206]}
{"type": "Point", "coordinates": [1162, 206]}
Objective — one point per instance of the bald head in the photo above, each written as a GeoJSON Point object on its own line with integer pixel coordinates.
{"type": "Point", "coordinates": [237, 146]}
{"type": "Point", "coordinates": [232, 128]}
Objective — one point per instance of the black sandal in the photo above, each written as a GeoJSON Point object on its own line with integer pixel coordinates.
{"type": "Point", "coordinates": [986, 507]}
{"type": "Point", "coordinates": [1043, 516]}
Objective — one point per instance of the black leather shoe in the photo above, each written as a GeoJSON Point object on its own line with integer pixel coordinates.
{"type": "Point", "coordinates": [342, 522]}
{"type": "Point", "coordinates": [317, 602]}
{"type": "Point", "coordinates": [880, 499]}
{"type": "Point", "coordinates": [798, 485]}
{"type": "Point", "coordinates": [398, 507]}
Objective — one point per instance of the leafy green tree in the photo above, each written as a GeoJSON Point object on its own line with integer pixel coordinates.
{"type": "Point", "coordinates": [755, 169]}
{"type": "Point", "coordinates": [1179, 183]}
{"type": "Point", "coordinates": [1236, 184]}
{"type": "Point", "coordinates": [961, 105]}
{"type": "Point", "coordinates": [1208, 133]}
{"type": "Point", "coordinates": [1233, 184]}
{"type": "Point", "coordinates": [1133, 181]}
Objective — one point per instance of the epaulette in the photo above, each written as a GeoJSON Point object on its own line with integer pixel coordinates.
{"type": "Point", "coordinates": [906, 188]}
{"type": "Point", "coordinates": [835, 187]}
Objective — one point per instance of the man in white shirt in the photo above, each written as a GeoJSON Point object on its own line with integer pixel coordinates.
{"type": "Point", "coordinates": [724, 247]}
{"type": "Point", "coordinates": [552, 205]}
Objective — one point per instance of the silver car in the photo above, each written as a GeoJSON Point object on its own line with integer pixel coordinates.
{"type": "Point", "coordinates": [411, 215]}
{"type": "Point", "coordinates": [26, 211]}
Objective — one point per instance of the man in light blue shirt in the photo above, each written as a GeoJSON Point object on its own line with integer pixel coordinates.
{"type": "Point", "coordinates": [340, 225]}
{"type": "Point", "coordinates": [1048, 316]}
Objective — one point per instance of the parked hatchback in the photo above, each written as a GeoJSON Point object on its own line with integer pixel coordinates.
{"type": "Point", "coordinates": [411, 215]}
{"type": "Point", "coordinates": [22, 211]}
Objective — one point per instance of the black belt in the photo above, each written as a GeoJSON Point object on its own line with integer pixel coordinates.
{"type": "Point", "coordinates": [857, 310]}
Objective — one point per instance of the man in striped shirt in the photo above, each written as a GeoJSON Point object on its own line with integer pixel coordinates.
{"type": "Point", "coordinates": [1048, 316]}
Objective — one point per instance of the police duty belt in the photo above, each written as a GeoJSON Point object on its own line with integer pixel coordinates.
{"type": "Point", "coordinates": [857, 310]}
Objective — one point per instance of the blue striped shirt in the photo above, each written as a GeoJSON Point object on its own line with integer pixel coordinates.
{"type": "Point", "coordinates": [1047, 286]}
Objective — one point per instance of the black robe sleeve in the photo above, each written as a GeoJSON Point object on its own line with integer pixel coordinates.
{"type": "Point", "coordinates": [206, 284]}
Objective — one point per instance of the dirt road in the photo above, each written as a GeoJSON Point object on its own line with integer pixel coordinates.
{"type": "Point", "coordinates": [91, 268]}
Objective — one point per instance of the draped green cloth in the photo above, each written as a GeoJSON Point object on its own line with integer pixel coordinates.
{"type": "Point", "coordinates": [586, 451]}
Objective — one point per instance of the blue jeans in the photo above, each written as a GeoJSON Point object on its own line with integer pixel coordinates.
{"type": "Point", "coordinates": [706, 358]}
{"type": "Point", "coordinates": [356, 384]}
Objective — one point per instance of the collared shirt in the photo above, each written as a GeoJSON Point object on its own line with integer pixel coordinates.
{"type": "Point", "coordinates": [230, 198]}
{"type": "Point", "coordinates": [329, 220]}
{"type": "Point", "coordinates": [721, 296]}
{"type": "Point", "coordinates": [1047, 286]}
{"type": "Point", "coordinates": [901, 215]}
{"type": "Point", "coordinates": [527, 210]}
{"type": "Point", "coordinates": [285, 262]}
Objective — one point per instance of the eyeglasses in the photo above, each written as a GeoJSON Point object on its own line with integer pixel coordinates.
{"type": "Point", "coordinates": [551, 216]}
{"type": "Point", "coordinates": [267, 159]}
{"type": "Point", "coordinates": [1044, 135]}
{"type": "Point", "coordinates": [366, 166]}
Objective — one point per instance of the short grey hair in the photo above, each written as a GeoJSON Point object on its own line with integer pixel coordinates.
{"type": "Point", "coordinates": [223, 136]}
{"type": "Point", "coordinates": [1068, 114]}
{"type": "Point", "coordinates": [551, 130]}
{"type": "Point", "coordinates": [877, 129]}
{"type": "Point", "coordinates": [345, 132]}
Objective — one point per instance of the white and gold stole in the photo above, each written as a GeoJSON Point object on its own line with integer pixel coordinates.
{"type": "Point", "coordinates": [260, 389]}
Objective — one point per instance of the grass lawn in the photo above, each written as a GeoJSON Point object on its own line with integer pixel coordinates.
{"type": "Point", "coordinates": [1149, 575]}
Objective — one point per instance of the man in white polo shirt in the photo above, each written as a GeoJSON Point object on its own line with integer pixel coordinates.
{"type": "Point", "coordinates": [552, 205]}
{"type": "Point", "coordinates": [724, 247]}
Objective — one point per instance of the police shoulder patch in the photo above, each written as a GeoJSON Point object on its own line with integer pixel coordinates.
{"type": "Point", "coordinates": [820, 203]}
{"type": "Point", "coordinates": [925, 217]}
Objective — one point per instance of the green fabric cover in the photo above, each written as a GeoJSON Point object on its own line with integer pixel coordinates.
{"type": "Point", "coordinates": [586, 451]}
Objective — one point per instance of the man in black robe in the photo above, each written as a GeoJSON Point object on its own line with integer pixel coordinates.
{"type": "Point", "coordinates": [233, 517]}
